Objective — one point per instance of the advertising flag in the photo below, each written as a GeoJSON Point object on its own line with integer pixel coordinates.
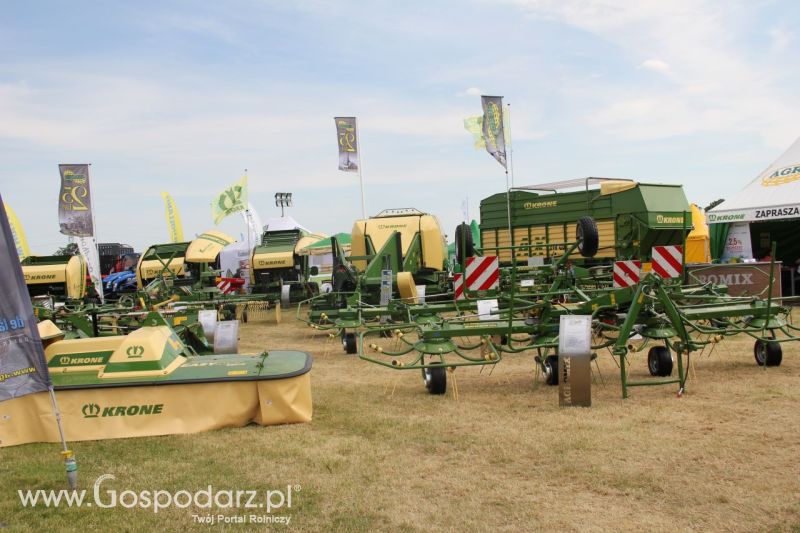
{"type": "Point", "coordinates": [20, 242]}
{"type": "Point", "coordinates": [348, 143]}
{"type": "Point", "coordinates": [87, 246]}
{"type": "Point", "coordinates": [231, 200]}
{"type": "Point", "coordinates": [474, 125]}
{"type": "Point", "coordinates": [74, 201]}
{"type": "Point", "coordinates": [173, 218]}
{"type": "Point", "coordinates": [23, 369]}
{"type": "Point", "coordinates": [493, 134]}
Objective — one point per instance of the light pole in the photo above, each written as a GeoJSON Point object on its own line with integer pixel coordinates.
{"type": "Point", "coordinates": [283, 199]}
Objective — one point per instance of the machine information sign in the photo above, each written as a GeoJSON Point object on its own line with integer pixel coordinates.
{"type": "Point", "coordinates": [486, 308]}
{"type": "Point", "coordinates": [574, 360]}
{"type": "Point", "coordinates": [226, 337]}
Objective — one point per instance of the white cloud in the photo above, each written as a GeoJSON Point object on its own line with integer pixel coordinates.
{"type": "Point", "coordinates": [718, 83]}
{"type": "Point", "coordinates": [656, 65]}
{"type": "Point", "coordinates": [780, 39]}
{"type": "Point", "coordinates": [471, 91]}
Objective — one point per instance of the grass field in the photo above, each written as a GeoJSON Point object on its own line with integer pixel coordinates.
{"type": "Point", "coordinates": [382, 454]}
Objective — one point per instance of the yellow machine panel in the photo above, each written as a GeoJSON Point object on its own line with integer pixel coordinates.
{"type": "Point", "coordinates": [434, 248]}
{"type": "Point", "coordinates": [151, 269]}
{"type": "Point", "coordinates": [71, 274]}
{"type": "Point", "coordinates": [380, 228]}
{"type": "Point", "coordinates": [206, 247]}
{"type": "Point", "coordinates": [80, 355]}
{"type": "Point", "coordinates": [535, 238]}
{"type": "Point", "coordinates": [358, 245]}
{"type": "Point", "coordinates": [40, 274]}
{"type": "Point", "coordinates": [273, 260]}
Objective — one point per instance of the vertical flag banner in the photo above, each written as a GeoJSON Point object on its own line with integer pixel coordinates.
{"type": "Point", "coordinates": [231, 200]}
{"type": "Point", "coordinates": [23, 369]}
{"type": "Point", "coordinates": [348, 143]}
{"type": "Point", "coordinates": [173, 218]}
{"type": "Point", "coordinates": [20, 242]}
{"type": "Point", "coordinates": [474, 125]}
{"type": "Point", "coordinates": [493, 131]}
{"type": "Point", "coordinates": [87, 246]}
{"type": "Point", "coordinates": [74, 201]}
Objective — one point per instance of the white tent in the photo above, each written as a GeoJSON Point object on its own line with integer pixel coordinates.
{"type": "Point", "coordinates": [282, 223]}
{"type": "Point", "coordinates": [773, 195]}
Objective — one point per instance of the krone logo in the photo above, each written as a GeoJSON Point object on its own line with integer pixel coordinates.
{"type": "Point", "coordinates": [135, 351]}
{"type": "Point", "coordinates": [90, 410]}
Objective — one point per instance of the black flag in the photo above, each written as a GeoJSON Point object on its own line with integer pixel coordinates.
{"type": "Point", "coordinates": [493, 134]}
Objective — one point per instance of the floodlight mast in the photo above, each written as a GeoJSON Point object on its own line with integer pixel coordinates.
{"type": "Point", "coordinates": [282, 200]}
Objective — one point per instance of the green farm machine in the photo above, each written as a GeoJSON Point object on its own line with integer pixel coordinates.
{"type": "Point", "coordinates": [573, 238]}
{"type": "Point", "coordinates": [631, 218]}
{"type": "Point", "coordinates": [399, 253]}
{"type": "Point", "coordinates": [279, 270]}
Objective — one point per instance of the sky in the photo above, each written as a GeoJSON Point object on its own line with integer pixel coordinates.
{"type": "Point", "coordinates": [184, 96]}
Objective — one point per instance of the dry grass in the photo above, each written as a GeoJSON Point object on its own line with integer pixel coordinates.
{"type": "Point", "coordinates": [503, 457]}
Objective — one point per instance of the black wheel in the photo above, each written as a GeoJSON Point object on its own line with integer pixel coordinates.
{"type": "Point", "coordinates": [587, 236]}
{"type": "Point", "coordinates": [350, 343]}
{"type": "Point", "coordinates": [659, 361]}
{"type": "Point", "coordinates": [465, 248]}
{"type": "Point", "coordinates": [551, 370]}
{"type": "Point", "coordinates": [770, 353]}
{"type": "Point", "coordinates": [435, 379]}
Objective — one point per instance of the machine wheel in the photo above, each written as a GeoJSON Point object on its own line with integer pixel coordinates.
{"type": "Point", "coordinates": [350, 343]}
{"type": "Point", "coordinates": [586, 233]}
{"type": "Point", "coordinates": [435, 379]}
{"type": "Point", "coordinates": [659, 361]}
{"type": "Point", "coordinates": [551, 370]}
{"type": "Point", "coordinates": [469, 246]}
{"type": "Point", "coordinates": [770, 353]}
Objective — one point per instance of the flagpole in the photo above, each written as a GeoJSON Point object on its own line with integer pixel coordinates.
{"type": "Point", "coordinates": [510, 146]}
{"type": "Point", "coordinates": [69, 460]}
{"type": "Point", "coordinates": [360, 177]}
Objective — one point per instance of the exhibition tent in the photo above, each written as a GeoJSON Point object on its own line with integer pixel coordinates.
{"type": "Point", "coordinates": [764, 206]}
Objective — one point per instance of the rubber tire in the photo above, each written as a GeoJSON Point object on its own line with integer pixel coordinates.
{"type": "Point", "coordinates": [769, 351]}
{"type": "Point", "coordinates": [435, 379]}
{"type": "Point", "coordinates": [469, 245]}
{"type": "Point", "coordinates": [586, 233]}
{"type": "Point", "coordinates": [350, 343]}
{"type": "Point", "coordinates": [659, 361]}
{"type": "Point", "coordinates": [551, 370]}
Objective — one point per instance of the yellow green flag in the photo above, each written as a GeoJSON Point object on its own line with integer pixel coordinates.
{"type": "Point", "coordinates": [173, 218]}
{"type": "Point", "coordinates": [19, 234]}
{"type": "Point", "coordinates": [231, 200]}
{"type": "Point", "coordinates": [474, 125]}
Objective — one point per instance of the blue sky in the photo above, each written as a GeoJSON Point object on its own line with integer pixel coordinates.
{"type": "Point", "coordinates": [183, 96]}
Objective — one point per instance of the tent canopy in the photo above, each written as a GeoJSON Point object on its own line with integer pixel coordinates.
{"type": "Point", "coordinates": [324, 246]}
{"type": "Point", "coordinates": [772, 195]}
{"type": "Point", "coordinates": [282, 223]}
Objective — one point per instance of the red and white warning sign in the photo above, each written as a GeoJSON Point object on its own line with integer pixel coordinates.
{"type": "Point", "coordinates": [627, 273]}
{"type": "Point", "coordinates": [229, 285]}
{"type": "Point", "coordinates": [483, 273]}
{"type": "Point", "coordinates": [668, 261]}
{"type": "Point", "coordinates": [458, 286]}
